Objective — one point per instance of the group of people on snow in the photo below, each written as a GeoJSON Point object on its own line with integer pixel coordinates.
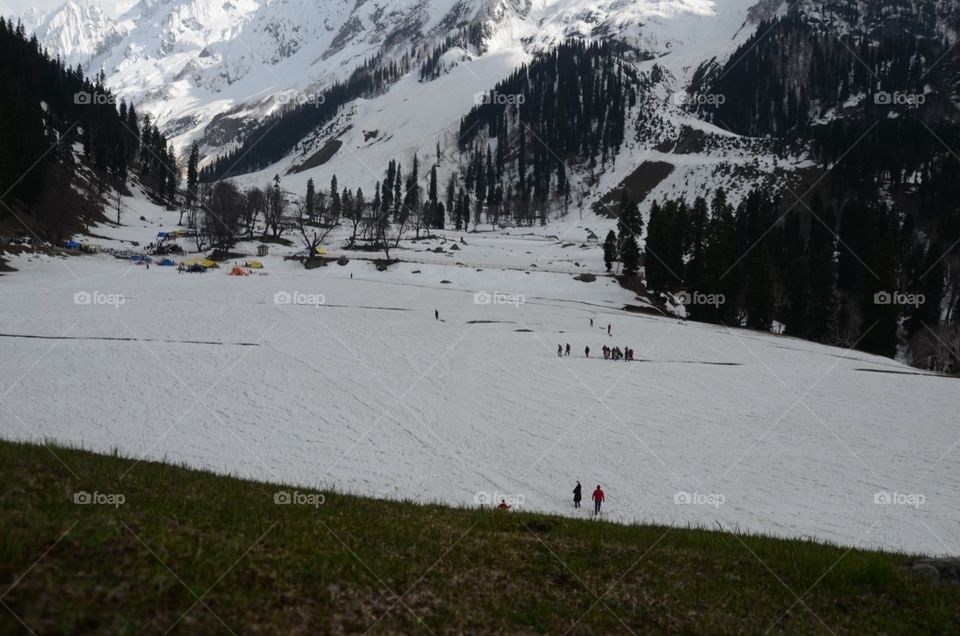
{"type": "Point", "coordinates": [616, 353]}
{"type": "Point", "coordinates": [598, 497]}
{"type": "Point", "coordinates": [609, 353]}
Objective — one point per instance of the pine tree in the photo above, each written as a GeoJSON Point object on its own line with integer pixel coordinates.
{"type": "Point", "coordinates": [696, 243]}
{"type": "Point", "coordinates": [193, 175]}
{"type": "Point", "coordinates": [630, 255]}
{"type": "Point", "coordinates": [336, 205]}
{"type": "Point", "coordinates": [821, 320]}
{"type": "Point", "coordinates": [610, 250]}
{"type": "Point", "coordinates": [310, 200]}
{"type": "Point", "coordinates": [759, 297]}
{"type": "Point", "coordinates": [398, 214]}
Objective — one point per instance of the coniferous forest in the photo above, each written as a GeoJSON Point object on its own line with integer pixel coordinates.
{"type": "Point", "coordinates": [865, 254]}
{"type": "Point", "coordinates": [64, 141]}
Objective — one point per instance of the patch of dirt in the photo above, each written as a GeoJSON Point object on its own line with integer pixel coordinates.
{"type": "Point", "coordinates": [318, 158]}
{"type": "Point", "coordinates": [638, 184]}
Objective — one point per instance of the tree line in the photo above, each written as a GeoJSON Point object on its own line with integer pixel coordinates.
{"type": "Point", "coordinates": [64, 141]}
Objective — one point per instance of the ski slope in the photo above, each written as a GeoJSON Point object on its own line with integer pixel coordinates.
{"type": "Point", "coordinates": [367, 392]}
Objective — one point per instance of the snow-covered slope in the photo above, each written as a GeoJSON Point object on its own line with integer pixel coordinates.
{"type": "Point", "coordinates": [354, 384]}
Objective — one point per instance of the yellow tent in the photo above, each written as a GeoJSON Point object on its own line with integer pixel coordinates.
{"type": "Point", "coordinates": [206, 262]}
{"type": "Point", "coordinates": [253, 264]}
{"type": "Point", "coordinates": [321, 251]}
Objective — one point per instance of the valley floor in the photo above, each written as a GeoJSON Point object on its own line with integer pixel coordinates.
{"type": "Point", "coordinates": [355, 385]}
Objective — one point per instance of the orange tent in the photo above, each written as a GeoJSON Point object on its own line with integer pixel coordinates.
{"type": "Point", "coordinates": [238, 271]}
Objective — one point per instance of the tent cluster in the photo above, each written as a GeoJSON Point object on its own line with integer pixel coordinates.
{"type": "Point", "coordinates": [206, 263]}
{"type": "Point", "coordinates": [175, 234]}
{"type": "Point", "coordinates": [251, 265]}
{"type": "Point", "coordinates": [83, 247]}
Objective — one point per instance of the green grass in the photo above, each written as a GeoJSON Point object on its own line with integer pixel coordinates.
{"type": "Point", "coordinates": [353, 565]}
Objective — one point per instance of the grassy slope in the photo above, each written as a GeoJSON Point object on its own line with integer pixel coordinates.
{"type": "Point", "coordinates": [338, 568]}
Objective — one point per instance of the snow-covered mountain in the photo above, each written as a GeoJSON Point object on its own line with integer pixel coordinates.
{"type": "Point", "coordinates": [76, 31]}
{"type": "Point", "coordinates": [192, 62]}
{"type": "Point", "coordinates": [211, 71]}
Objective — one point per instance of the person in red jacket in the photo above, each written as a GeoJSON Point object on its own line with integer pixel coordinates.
{"type": "Point", "coordinates": [597, 500]}
{"type": "Point", "coordinates": [503, 505]}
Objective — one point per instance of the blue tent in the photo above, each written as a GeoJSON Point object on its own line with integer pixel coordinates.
{"type": "Point", "coordinates": [197, 268]}
{"type": "Point", "coordinates": [72, 245]}
{"type": "Point", "coordinates": [166, 263]}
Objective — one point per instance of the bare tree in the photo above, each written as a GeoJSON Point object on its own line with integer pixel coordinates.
{"type": "Point", "coordinates": [196, 219]}
{"type": "Point", "coordinates": [256, 204]}
{"type": "Point", "coordinates": [118, 202]}
{"type": "Point", "coordinates": [354, 213]}
{"type": "Point", "coordinates": [223, 213]}
{"type": "Point", "coordinates": [311, 234]}
{"type": "Point", "coordinates": [936, 348]}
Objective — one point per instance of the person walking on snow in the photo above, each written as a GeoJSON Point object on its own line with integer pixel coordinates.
{"type": "Point", "coordinates": [568, 349]}
{"type": "Point", "coordinates": [559, 351]}
{"type": "Point", "coordinates": [576, 495]}
{"type": "Point", "coordinates": [591, 322]}
{"type": "Point", "coordinates": [608, 330]}
{"type": "Point", "coordinates": [587, 350]}
{"type": "Point", "coordinates": [597, 500]}
{"type": "Point", "coordinates": [436, 314]}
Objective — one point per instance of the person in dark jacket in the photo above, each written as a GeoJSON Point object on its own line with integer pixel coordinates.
{"type": "Point", "coordinates": [598, 499]}
{"type": "Point", "coordinates": [577, 495]}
